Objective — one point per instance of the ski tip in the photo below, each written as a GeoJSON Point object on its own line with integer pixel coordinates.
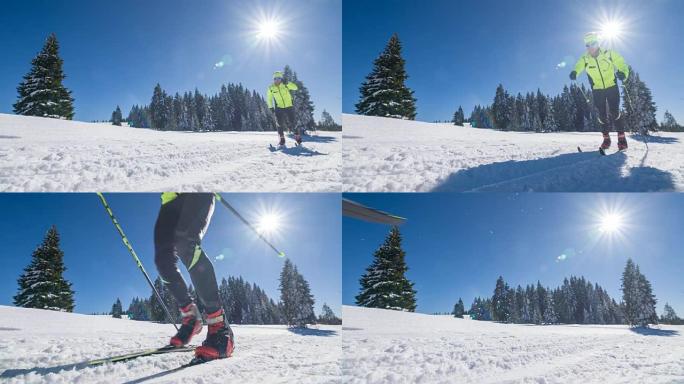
{"type": "Point", "coordinates": [579, 149]}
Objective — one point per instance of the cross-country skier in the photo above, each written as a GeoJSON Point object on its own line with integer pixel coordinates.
{"type": "Point", "coordinates": [603, 66]}
{"type": "Point", "coordinates": [182, 222]}
{"type": "Point", "coordinates": [279, 100]}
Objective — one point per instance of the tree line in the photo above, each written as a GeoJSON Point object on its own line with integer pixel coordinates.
{"type": "Point", "coordinates": [576, 301]}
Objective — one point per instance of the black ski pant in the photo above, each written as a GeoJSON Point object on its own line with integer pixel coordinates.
{"type": "Point", "coordinates": [180, 226]}
{"type": "Point", "coordinates": [607, 101]}
{"type": "Point", "coordinates": [286, 119]}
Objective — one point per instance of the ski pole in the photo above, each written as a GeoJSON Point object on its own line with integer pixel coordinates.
{"type": "Point", "coordinates": [239, 216]}
{"type": "Point", "coordinates": [135, 257]}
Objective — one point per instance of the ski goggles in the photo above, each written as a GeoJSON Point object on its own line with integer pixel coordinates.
{"type": "Point", "coordinates": [277, 79]}
{"type": "Point", "coordinates": [592, 44]}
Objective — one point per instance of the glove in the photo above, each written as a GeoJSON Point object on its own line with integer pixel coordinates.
{"type": "Point", "coordinates": [573, 75]}
{"type": "Point", "coordinates": [621, 76]}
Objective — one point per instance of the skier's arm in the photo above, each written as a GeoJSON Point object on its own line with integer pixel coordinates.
{"type": "Point", "coordinates": [579, 67]}
{"type": "Point", "coordinates": [619, 63]}
{"type": "Point", "coordinates": [269, 98]}
{"type": "Point", "coordinates": [292, 86]}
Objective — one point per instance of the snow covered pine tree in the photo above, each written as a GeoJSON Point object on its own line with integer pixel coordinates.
{"type": "Point", "coordinates": [384, 92]}
{"type": "Point", "coordinates": [42, 284]}
{"type": "Point", "coordinates": [42, 92]}
{"type": "Point", "coordinates": [384, 285]}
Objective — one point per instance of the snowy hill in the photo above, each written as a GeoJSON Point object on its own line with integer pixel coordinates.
{"type": "Point", "coordinates": [382, 155]}
{"type": "Point", "coordinates": [382, 346]}
{"type": "Point", "coordinates": [37, 341]}
{"type": "Point", "coordinates": [38, 154]}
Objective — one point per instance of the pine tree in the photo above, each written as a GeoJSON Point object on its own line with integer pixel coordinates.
{"type": "Point", "coordinates": [384, 92]}
{"type": "Point", "coordinates": [500, 109]}
{"type": "Point", "coordinates": [499, 302]}
{"type": "Point", "coordinates": [384, 285]}
{"type": "Point", "coordinates": [42, 285]}
{"type": "Point", "coordinates": [42, 92]}
{"type": "Point", "coordinates": [637, 296]}
{"type": "Point", "coordinates": [638, 105]}
{"type": "Point", "coordinates": [328, 316]}
{"type": "Point", "coordinates": [117, 117]}
{"type": "Point", "coordinates": [669, 316]}
{"type": "Point", "coordinates": [295, 296]}
{"type": "Point", "coordinates": [458, 309]}
{"type": "Point", "coordinates": [139, 309]}
{"type": "Point", "coordinates": [327, 123]}
{"type": "Point", "coordinates": [670, 124]}
{"type": "Point", "coordinates": [117, 309]}
{"type": "Point", "coordinates": [458, 116]}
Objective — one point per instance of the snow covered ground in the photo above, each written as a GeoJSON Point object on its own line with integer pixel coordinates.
{"type": "Point", "coordinates": [38, 154]}
{"type": "Point", "coordinates": [381, 346]}
{"type": "Point", "coordinates": [382, 155]}
{"type": "Point", "coordinates": [38, 342]}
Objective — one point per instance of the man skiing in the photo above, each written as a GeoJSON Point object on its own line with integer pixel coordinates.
{"type": "Point", "coordinates": [279, 100]}
{"type": "Point", "coordinates": [603, 66]}
{"type": "Point", "coordinates": [181, 224]}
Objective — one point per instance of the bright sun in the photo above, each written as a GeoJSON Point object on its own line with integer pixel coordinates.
{"type": "Point", "coordinates": [611, 223]}
{"type": "Point", "coordinates": [611, 30]}
{"type": "Point", "coordinates": [268, 29]}
{"type": "Point", "coordinates": [268, 223]}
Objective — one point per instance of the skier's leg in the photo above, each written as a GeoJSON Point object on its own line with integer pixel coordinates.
{"type": "Point", "coordinates": [165, 254]}
{"type": "Point", "coordinates": [614, 105]}
{"type": "Point", "coordinates": [166, 259]}
{"type": "Point", "coordinates": [600, 103]}
{"type": "Point", "coordinates": [293, 124]}
{"type": "Point", "coordinates": [280, 118]}
{"type": "Point", "coordinates": [192, 225]}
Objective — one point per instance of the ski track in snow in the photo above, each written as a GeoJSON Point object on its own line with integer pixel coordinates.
{"type": "Point", "coordinates": [48, 155]}
{"type": "Point", "coordinates": [391, 155]}
{"type": "Point", "coordinates": [37, 340]}
{"type": "Point", "coordinates": [381, 346]}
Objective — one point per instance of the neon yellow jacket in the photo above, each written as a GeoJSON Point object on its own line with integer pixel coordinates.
{"type": "Point", "coordinates": [601, 69]}
{"type": "Point", "coordinates": [281, 95]}
{"type": "Point", "coordinates": [167, 197]}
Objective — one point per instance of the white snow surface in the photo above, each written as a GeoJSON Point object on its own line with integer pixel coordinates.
{"type": "Point", "coordinates": [383, 346]}
{"type": "Point", "coordinates": [392, 155]}
{"type": "Point", "coordinates": [40, 340]}
{"type": "Point", "coordinates": [50, 155]}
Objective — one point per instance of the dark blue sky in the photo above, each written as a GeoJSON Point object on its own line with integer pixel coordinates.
{"type": "Point", "coordinates": [101, 269]}
{"type": "Point", "coordinates": [115, 52]}
{"type": "Point", "coordinates": [457, 52]}
{"type": "Point", "coordinates": [458, 244]}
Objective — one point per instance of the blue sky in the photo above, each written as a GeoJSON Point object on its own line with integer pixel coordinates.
{"type": "Point", "coordinates": [115, 52]}
{"type": "Point", "coordinates": [101, 269]}
{"type": "Point", "coordinates": [457, 52]}
{"type": "Point", "coordinates": [458, 244]}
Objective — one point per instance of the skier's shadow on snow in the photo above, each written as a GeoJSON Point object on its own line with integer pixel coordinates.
{"type": "Point", "coordinates": [297, 151]}
{"type": "Point", "coordinates": [572, 172]}
{"type": "Point", "coordinates": [313, 332]}
{"type": "Point", "coordinates": [656, 139]}
{"type": "Point", "coordinates": [320, 139]}
{"type": "Point", "coordinates": [654, 332]}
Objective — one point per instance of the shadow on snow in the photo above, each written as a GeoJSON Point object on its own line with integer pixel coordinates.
{"type": "Point", "coordinates": [312, 332]}
{"type": "Point", "coordinates": [572, 172]}
{"type": "Point", "coordinates": [654, 331]}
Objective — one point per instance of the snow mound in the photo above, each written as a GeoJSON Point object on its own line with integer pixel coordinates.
{"type": "Point", "coordinates": [391, 155]}
{"type": "Point", "coordinates": [34, 343]}
{"type": "Point", "coordinates": [49, 155]}
{"type": "Point", "coordinates": [382, 346]}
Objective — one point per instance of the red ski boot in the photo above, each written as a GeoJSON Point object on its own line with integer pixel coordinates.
{"type": "Point", "coordinates": [219, 343]}
{"type": "Point", "coordinates": [282, 141]}
{"type": "Point", "coordinates": [191, 325]}
{"type": "Point", "coordinates": [298, 139]}
{"type": "Point", "coordinates": [622, 141]}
